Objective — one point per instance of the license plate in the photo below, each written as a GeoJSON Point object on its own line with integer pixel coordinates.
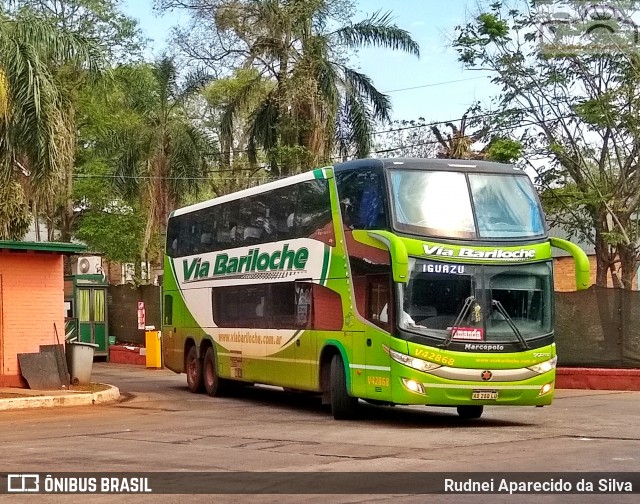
{"type": "Point", "coordinates": [484, 395]}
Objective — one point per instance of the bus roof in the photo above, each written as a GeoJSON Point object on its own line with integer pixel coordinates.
{"type": "Point", "coordinates": [428, 164]}
{"type": "Point", "coordinates": [268, 186]}
{"type": "Point", "coordinates": [462, 165]}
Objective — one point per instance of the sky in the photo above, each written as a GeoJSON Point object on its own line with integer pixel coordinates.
{"type": "Point", "coordinates": [442, 88]}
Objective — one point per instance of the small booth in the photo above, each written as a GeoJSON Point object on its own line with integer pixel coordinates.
{"type": "Point", "coordinates": [31, 303]}
{"type": "Point", "coordinates": [85, 299]}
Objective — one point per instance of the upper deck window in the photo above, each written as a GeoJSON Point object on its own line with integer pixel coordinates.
{"type": "Point", "coordinates": [444, 204]}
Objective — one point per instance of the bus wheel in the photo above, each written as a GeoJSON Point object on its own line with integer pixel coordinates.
{"type": "Point", "coordinates": [343, 406]}
{"type": "Point", "coordinates": [470, 412]}
{"type": "Point", "coordinates": [193, 368]}
{"type": "Point", "coordinates": [213, 384]}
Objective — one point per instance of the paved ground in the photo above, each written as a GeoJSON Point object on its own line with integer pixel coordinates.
{"type": "Point", "coordinates": [157, 425]}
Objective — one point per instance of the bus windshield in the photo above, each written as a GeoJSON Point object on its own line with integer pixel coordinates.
{"type": "Point", "coordinates": [446, 204]}
{"type": "Point", "coordinates": [481, 303]}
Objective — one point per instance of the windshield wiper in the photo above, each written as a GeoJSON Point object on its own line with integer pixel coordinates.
{"type": "Point", "coordinates": [509, 320]}
{"type": "Point", "coordinates": [463, 313]}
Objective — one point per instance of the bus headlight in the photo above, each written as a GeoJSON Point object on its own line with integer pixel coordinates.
{"type": "Point", "coordinates": [412, 362]}
{"type": "Point", "coordinates": [545, 366]}
{"type": "Point", "coordinates": [413, 386]}
{"type": "Point", "coordinates": [546, 388]}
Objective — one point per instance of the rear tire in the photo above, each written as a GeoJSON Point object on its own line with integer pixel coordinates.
{"type": "Point", "coordinates": [213, 384]}
{"type": "Point", "coordinates": [193, 370]}
{"type": "Point", "coordinates": [343, 406]}
{"type": "Point", "coordinates": [470, 412]}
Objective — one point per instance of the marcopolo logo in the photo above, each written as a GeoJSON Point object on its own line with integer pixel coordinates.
{"type": "Point", "coordinates": [254, 261]}
{"type": "Point", "coordinates": [467, 253]}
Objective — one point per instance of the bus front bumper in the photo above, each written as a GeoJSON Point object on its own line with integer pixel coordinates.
{"type": "Point", "coordinates": [411, 387]}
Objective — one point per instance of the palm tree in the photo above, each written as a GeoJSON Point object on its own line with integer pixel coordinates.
{"type": "Point", "coordinates": [318, 104]}
{"type": "Point", "coordinates": [458, 144]}
{"type": "Point", "coordinates": [35, 137]}
{"type": "Point", "coordinates": [163, 154]}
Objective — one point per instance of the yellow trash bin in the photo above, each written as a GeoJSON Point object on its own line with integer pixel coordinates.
{"type": "Point", "coordinates": [153, 346]}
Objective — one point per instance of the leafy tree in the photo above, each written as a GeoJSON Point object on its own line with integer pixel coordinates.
{"type": "Point", "coordinates": [114, 37]}
{"type": "Point", "coordinates": [163, 156]}
{"type": "Point", "coordinates": [579, 111]}
{"type": "Point", "coordinates": [458, 144]}
{"type": "Point", "coordinates": [117, 35]}
{"type": "Point", "coordinates": [34, 136]}
{"type": "Point", "coordinates": [235, 172]}
{"type": "Point", "coordinates": [406, 138]}
{"type": "Point", "coordinates": [426, 140]}
{"type": "Point", "coordinates": [104, 221]}
{"type": "Point", "coordinates": [14, 211]}
{"type": "Point", "coordinates": [317, 103]}
{"type": "Point", "coordinates": [115, 230]}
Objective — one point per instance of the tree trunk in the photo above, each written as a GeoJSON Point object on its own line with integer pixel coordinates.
{"type": "Point", "coordinates": [628, 265]}
{"type": "Point", "coordinates": [67, 217]}
{"type": "Point", "coordinates": [603, 254]}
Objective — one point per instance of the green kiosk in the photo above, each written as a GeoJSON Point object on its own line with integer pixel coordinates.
{"type": "Point", "coordinates": [85, 297]}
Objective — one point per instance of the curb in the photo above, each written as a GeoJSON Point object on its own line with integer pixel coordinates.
{"type": "Point", "coordinates": [64, 399]}
{"type": "Point", "coordinates": [597, 378]}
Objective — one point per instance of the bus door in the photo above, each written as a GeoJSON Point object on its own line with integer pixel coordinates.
{"type": "Point", "coordinates": [173, 356]}
{"type": "Point", "coordinates": [377, 334]}
{"type": "Point", "coordinates": [305, 343]}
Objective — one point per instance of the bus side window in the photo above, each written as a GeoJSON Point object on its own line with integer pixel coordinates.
{"type": "Point", "coordinates": [378, 300]}
{"type": "Point", "coordinates": [312, 216]}
{"type": "Point", "coordinates": [173, 229]}
{"type": "Point", "coordinates": [371, 212]}
{"type": "Point", "coordinates": [362, 200]}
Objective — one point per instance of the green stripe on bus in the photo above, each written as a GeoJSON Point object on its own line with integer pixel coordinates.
{"type": "Point", "coordinates": [295, 334]}
{"type": "Point", "coordinates": [318, 173]}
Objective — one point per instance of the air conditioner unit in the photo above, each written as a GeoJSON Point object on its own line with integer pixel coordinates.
{"type": "Point", "coordinates": [87, 265]}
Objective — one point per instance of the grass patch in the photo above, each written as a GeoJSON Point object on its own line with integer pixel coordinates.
{"type": "Point", "coordinates": [9, 395]}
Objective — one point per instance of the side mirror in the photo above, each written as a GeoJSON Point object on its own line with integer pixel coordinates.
{"type": "Point", "coordinates": [396, 247]}
{"type": "Point", "coordinates": [580, 259]}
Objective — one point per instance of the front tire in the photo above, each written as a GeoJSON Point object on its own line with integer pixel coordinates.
{"type": "Point", "coordinates": [213, 384]}
{"type": "Point", "coordinates": [193, 370]}
{"type": "Point", "coordinates": [470, 412]}
{"type": "Point", "coordinates": [343, 406]}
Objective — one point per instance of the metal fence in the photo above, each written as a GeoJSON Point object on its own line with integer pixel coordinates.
{"type": "Point", "coordinates": [123, 311]}
{"type": "Point", "coordinates": [598, 328]}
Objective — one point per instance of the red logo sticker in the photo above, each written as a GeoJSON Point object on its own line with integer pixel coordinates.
{"type": "Point", "coordinates": [467, 333]}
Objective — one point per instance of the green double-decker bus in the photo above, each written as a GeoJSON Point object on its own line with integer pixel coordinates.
{"type": "Point", "coordinates": [395, 281]}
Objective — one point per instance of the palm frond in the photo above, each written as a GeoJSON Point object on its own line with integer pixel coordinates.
{"type": "Point", "coordinates": [328, 79]}
{"type": "Point", "coordinates": [165, 73]}
{"type": "Point", "coordinates": [378, 31]}
{"type": "Point", "coordinates": [262, 129]}
{"type": "Point", "coordinates": [191, 148]}
{"type": "Point", "coordinates": [194, 82]}
{"type": "Point", "coordinates": [364, 86]}
{"type": "Point", "coordinates": [359, 119]}
{"type": "Point", "coordinates": [57, 44]}
{"type": "Point", "coordinates": [233, 107]}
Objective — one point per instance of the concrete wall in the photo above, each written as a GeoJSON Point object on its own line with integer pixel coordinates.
{"type": "Point", "coordinates": [31, 301]}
